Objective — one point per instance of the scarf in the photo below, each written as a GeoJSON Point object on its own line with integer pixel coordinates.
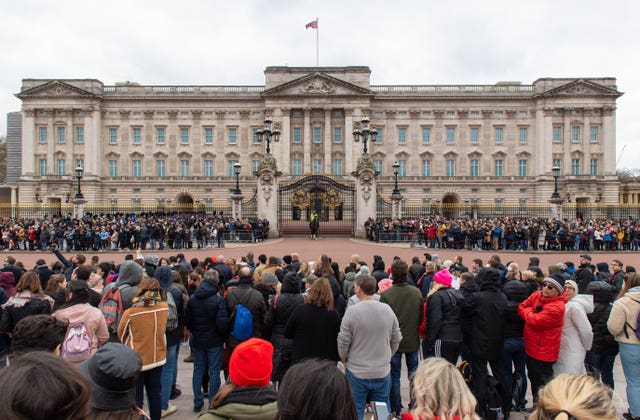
{"type": "Point", "coordinates": [149, 298]}
{"type": "Point", "coordinates": [21, 299]}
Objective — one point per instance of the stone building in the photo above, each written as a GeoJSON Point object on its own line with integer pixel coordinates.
{"type": "Point", "coordinates": [480, 144]}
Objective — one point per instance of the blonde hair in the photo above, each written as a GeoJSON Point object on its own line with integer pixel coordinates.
{"type": "Point", "coordinates": [440, 390]}
{"type": "Point", "coordinates": [528, 274]}
{"type": "Point", "coordinates": [435, 286]}
{"type": "Point", "coordinates": [575, 396]}
{"type": "Point", "coordinates": [304, 268]}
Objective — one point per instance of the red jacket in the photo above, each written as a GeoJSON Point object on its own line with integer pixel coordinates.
{"type": "Point", "coordinates": [543, 327]}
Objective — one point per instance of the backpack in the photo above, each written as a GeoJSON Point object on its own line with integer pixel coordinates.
{"type": "Point", "coordinates": [172, 320]}
{"type": "Point", "coordinates": [112, 308]}
{"type": "Point", "coordinates": [242, 321]}
{"type": "Point", "coordinates": [76, 346]}
{"type": "Point", "coordinates": [635, 330]}
{"type": "Point", "coordinates": [490, 401]}
{"type": "Point", "coordinates": [465, 370]}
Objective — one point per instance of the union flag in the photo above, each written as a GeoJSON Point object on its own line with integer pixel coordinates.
{"type": "Point", "coordinates": [313, 24]}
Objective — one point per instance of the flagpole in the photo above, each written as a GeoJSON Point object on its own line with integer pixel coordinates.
{"type": "Point", "coordinates": [317, 44]}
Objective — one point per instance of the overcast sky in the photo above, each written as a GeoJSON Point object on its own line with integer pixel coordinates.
{"type": "Point", "coordinates": [211, 42]}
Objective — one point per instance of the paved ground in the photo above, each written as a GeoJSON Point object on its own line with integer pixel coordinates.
{"type": "Point", "coordinates": [340, 249]}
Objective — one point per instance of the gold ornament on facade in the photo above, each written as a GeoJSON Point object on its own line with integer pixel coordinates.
{"type": "Point", "coordinates": [301, 199]}
{"type": "Point", "coordinates": [332, 199]}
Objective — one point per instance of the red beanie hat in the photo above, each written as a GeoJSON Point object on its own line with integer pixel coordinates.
{"type": "Point", "coordinates": [251, 363]}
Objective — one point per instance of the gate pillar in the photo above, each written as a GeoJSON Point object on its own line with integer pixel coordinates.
{"type": "Point", "coordinates": [267, 193]}
{"type": "Point", "coordinates": [366, 193]}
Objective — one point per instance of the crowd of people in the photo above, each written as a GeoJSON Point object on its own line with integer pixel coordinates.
{"type": "Point", "coordinates": [122, 231]}
{"type": "Point", "coordinates": [509, 233]}
{"type": "Point", "coordinates": [284, 338]}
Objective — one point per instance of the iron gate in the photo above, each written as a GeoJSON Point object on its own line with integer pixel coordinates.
{"type": "Point", "coordinates": [333, 201]}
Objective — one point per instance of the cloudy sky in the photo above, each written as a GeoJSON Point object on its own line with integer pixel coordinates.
{"type": "Point", "coordinates": [211, 42]}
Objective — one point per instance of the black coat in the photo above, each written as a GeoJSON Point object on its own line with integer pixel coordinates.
{"type": "Point", "coordinates": [516, 292]}
{"type": "Point", "coordinates": [207, 317]}
{"type": "Point", "coordinates": [489, 310]}
{"type": "Point", "coordinates": [444, 308]}
{"type": "Point", "coordinates": [584, 276]}
{"type": "Point", "coordinates": [467, 289]}
{"type": "Point", "coordinates": [11, 313]}
{"type": "Point", "coordinates": [314, 331]}
{"type": "Point", "coordinates": [44, 273]}
{"type": "Point", "coordinates": [604, 344]}
{"type": "Point", "coordinates": [279, 311]}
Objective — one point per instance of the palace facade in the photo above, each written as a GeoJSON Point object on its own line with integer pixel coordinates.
{"type": "Point", "coordinates": [478, 144]}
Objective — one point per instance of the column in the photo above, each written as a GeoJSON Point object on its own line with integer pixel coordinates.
{"type": "Point", "coordinates": [29, 142]}
{"type": "Point", "coordinates": [608, 141]}
{"type": "Point", "coordinates": [236, 206]}
{"type": "Point", "coordinates": [306, 141]}
{"type": "Point", "coordinates": [284, 147]}
{"type": "Point", "coordinates": [349, 144]}
{"type": "Point", "coordinates": [326, 138]}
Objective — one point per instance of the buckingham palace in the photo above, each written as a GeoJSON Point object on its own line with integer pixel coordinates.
{"type": "Point", "coordinates": [493, 144]}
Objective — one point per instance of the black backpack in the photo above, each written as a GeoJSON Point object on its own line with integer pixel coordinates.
{"type": "Point", "coordinates": [490, 400]}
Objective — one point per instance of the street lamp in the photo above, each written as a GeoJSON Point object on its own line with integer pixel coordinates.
{"type": "Point", "coordinates": [365, 132]}
{"type": "Point", "coordinates": [79, 171]}
{"type": "Point", "coordinates": [236, 170]}
{"type": "Point", "coordinates": [268, 134]}
{"type": "Point", "coordinates": [556, 174]}
{"type": "Point", "coordinates": [396, 169]}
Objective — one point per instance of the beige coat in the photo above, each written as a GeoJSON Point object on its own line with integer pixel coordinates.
{"type": "Point", "coordinates": [625, 311]}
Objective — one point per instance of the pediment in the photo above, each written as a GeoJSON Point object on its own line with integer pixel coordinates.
{"type": "Point", "coordinates": [315, 84]}
{"type": "Point", "coordinates": [581, 87]}
{"type": "Point", "coordinates": [55, 88]}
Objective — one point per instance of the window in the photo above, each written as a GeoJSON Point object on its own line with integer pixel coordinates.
{"type": "Point", "coordinates": [594, 166]}
{"type": "Point", "coordinates": [208, 167]}
{"type": "Point", "coordinates": [524, 131]}
{"type": "Point", "coordinates": [160, 135]}
{"type": "Point", "coordinates": [557, 133]}
{"type": "Point", "coordinates": [42, 163]}
{"type": "Point", "coordinates": [379, 136]}
{"type": "Point", "coordinates": [557, 162]}
{"type": "Point", "coordinates": [208, 135]}
{"type": "Point", "coordinates": [451, 135]}
{"type": "Point", "coordinates": [402, 135]}
{"type": "Point", "coordinates": [184, 135]}
{"type": "Point", "coordinates": [80, 163]}
{"type": "Point", "coordinates": [137, 137]}
{"type": "Point", "coordinates": [402, 170]}
{"type": "Point", "coordinates": [575, 133]}
{"type": "Point", "coordinates": [255, 164]}
{"type": "Point", "coordinates": [594, 133]}
{"type": "Point", "coordinates": [61, 134]}
{"type": "Point", "coordinates": [233, 135]}
{"type": "Point", "coordinates": [499, 133]}
{"type": "Point", "coordinates": [184, 167]}
{"type": "Point", "coordinates": [43, 134]}
{"type": "Point", "coordinates": [317, 134]}
{"type": "Point", "coordinates": [451, 167]}
{"type": "Point", "coordinates": [61, 166]}
{"type": "Point", "coordinates": [475, 135]}
{"type": "Point", "coordinates": [113, 168]}
{"type": "Point", "coordinates": [79, 134]}
{"type": "Point", "coordinates": [575, 166]}
{"type": "Point", "coordinates": [498, 167]}
{"type": "Point", "coordinates": [377, 166]}
{"type": "Point", "coordinates": [426, 167]}
{"type": "Point", "coordinates": [475, 168]}
{"type": "Point", "coordinates": [426, 135]}
{"type": "Point", "coordinates": [161, 167]}
{"type": "Point", "coordinates": [230, 170]}
{"type": "Point", "coordinates": [296, 167]}
{"type": "Point", "coordinates": [297, 134]}
{"type": "Point", "coordinates": [317, 166]}
{"type": "Point", "coordinates": [137, 168]}
{"type": "Point", "coordinates": [337, 167]}
{"type": "Point", "coordinates": [113, 135]}
{"type": "Point", "coordinates": [522, 167]}
{"type": "Point", "coordinates": [337, 134]}
{"type": "Point", "coordinates": [254, 137]}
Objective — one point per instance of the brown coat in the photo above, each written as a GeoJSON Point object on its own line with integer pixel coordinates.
{"type": "Point", "coordinates": [143, 329]}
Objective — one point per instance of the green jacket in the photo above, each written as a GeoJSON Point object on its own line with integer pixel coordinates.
{"type": "Point", "coordinates": [406, 302]}
{"type": "Point", "coordinates": [246, 403]}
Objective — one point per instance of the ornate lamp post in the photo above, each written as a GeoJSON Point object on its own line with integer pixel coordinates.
{"type": "Point", "coordinates": [396, 197]}
{"type": "Point", "coordinates": [79, 171]}
{"type": "Point", "coordinates": [78, 201]}
{"type": "Point", "coordinates": [236, 197]}
{"type": "Point", "coordinates": [268, 134]}
{"type": "Point", "coordinates": [556, 174]}
{"type": "Point", "coordinates": [236, 170]}
{"type": "Point", "coordinates": [365, 132]}
{"type": "Point", "coordinates": [396, 169]}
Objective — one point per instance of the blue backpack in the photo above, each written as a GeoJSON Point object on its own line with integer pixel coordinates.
{"type": "Point", "coordinates": [242, 321]}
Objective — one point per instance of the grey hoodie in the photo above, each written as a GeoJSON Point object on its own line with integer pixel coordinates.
{"type": "Point", "coordinates": [131, 274]}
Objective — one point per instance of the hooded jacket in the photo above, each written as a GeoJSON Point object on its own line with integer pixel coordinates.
{"type": "Point", "coordinates": [489, 308]}
{"type": "Point", "coordinates": [130, 276]}
{"type": "Point", "coordinates": [543, 320]}
{"type": "Point", "coordinates": [246, 403]}
{"type": "Point", "coordinates": [378, 270]}
{"type": "Point", "coordinates": [577, 335]}
{"type": "Point", "coordinates": [468, 288]}
{"type": "Point", "coordinates": [8, 283]}
{"type": "Point", "coordinates": [604, 344]}
{"type": "Point", "coordinates": [443, 315]}
{"type": "Point", "coordinates": [516, 292]}
{"type": "Point", "coordinates": [207, 317]}
{"type": "Point", "coordinates": [625, 311]}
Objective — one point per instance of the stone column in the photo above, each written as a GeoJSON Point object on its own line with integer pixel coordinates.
{"type": "Point", "coordinates": [236, 206]}
{"type": "Point", "coordinates": [78, 208]}
{"type": "Point", "coordinates": [396, 206]}
{"type": "Point", "coordinates": [327, 139]}
{"type": "Point", "coordinates": [306, 141]}
{"type": "Point", "coordinates": [556, 208]}
{"type": "Point", "coordinates": [267, 193]}
{"type": "Point", "coordinates": [366, 194]}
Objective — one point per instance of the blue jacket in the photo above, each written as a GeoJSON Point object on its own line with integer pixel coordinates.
{"type": "Point", "coordinates": [207, 317]}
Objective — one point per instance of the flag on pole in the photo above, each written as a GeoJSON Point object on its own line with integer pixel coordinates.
{"type": "Point", "coordinates": [313, 24]}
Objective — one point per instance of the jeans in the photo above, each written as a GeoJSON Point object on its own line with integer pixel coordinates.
{"type": "Point", "coordinates": [150, 380]}
{"type": "Point", "coordinates": [630, 358]}
{"type": "Point", "coordinates": [168, 373]}
{"type": "Point", "coordinates": [203, 358]}
{"type": "Point", "coordinates": [600, 367]}
{"type": "Point", "coordinates": [368, 389]}
{"type": "Point", "coordinates": [411, 359]}
{"type": "Point", "coordinates": [513, 355]}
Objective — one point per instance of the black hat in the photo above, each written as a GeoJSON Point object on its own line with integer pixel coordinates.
{"type": "Point", "coordinates": [586, 257]}
{"type": "Point", "coordinates": [534, 261]}
{"type": "Point", "coordinates": [113, 372]}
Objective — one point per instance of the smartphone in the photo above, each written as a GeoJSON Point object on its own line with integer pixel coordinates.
{"type": "Point", "coordinates": [380, 411]}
